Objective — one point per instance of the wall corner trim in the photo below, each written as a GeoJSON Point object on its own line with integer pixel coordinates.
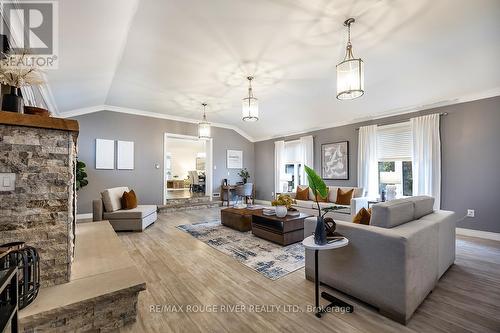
{"type": "Point", "coordinates": [137, 112]}
{"type": "Point", "coordinates": [479, 234]}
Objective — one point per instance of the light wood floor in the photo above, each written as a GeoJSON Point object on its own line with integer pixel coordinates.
{"type": "Point", "coordinates": [181, 270]}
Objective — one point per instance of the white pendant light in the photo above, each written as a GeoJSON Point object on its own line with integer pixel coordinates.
{"type": "Point", "coordinates": [250, 104]}
{"type": "Point", "coordinates": [350, 72]}
{"type": "Point", "coordinates": [204, 125]}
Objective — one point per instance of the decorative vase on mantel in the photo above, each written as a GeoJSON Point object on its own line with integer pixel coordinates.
{"type": "Point", "coordinates": [281, 211]}
{"type": "Point", "coordinates": [12, 101]}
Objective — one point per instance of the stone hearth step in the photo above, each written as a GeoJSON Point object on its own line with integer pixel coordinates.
{"type": "Point", "coordinates": [102, 293]}
{"type": "Point", "coordinates": [180, 204]}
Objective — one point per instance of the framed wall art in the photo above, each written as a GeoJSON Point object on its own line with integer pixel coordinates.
{"type": "Point", "coordinates": [234, 159]}
{"type": "Point", "coordinates": [335, 160]}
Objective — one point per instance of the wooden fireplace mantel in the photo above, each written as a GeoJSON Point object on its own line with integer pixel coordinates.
{"type": "Point", "coordinates": [28, 120]}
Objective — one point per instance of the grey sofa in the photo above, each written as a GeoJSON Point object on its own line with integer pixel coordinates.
{"type": "Point", "coordinates": [394, 262]}
{"type": "Point", "coordinates": [345, 214]}
{"type": "Point", "coordinates": [109, 208]}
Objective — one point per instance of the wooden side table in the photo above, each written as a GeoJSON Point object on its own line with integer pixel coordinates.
{"type": "Point", "coordinates": [334, 301]}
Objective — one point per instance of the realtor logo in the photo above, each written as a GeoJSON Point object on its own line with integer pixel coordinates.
{"type": "Point", "coordinates": [31, 27]}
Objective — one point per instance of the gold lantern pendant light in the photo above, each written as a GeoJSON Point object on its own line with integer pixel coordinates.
{"type": "Point", "coordinates": [250, 104]}
{"type": "Point", "coordinates": [350, 72]}
{"type": "Point", "coordinates": [204, 125]}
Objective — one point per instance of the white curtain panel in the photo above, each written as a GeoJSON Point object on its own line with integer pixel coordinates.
{"type": "Point", "coordinates": [426, 159]}
{"type": "Point", "coordinates": [307, 149]}
{"type": "Point", "coordinates": [367, 160]}
{"type": "Point", "coordinates": [279, 160]}
{"type": "Point", "coordinates": [28, 96]}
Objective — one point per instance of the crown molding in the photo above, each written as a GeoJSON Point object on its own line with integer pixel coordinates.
{"type": "Point", "coordinates": [137, 112]}
{"type": "Point", "coordinates": [394, 112]}
{"type": "Point", "coordinates": [390, 113]}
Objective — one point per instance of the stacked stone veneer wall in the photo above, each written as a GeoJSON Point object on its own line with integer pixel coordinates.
{"type": "Point", "coordinates": [102, 314]}
{"type": "Point", "coordinates": [40, 211]}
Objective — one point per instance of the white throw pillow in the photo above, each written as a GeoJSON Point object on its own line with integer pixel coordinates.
{"type": "Point", "coordinates": [111, 198]}
{"type": "Point", "coordinates": [358, 192]}
{"type": "Point", "coordinates": [332, 194]}
{"type": "Point", "coordinates": [311, 194]}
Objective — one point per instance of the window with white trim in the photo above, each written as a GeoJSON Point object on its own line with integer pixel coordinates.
{"type": "Point", "coordinates": [394, 145]}
{"type": "Point", "coordinates": [292, 166]}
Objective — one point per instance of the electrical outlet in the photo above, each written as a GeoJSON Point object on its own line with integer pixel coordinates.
{"type": "Point", "coordinates": [471, 212]}
{"type": "Point", "coordinates": [7, 182]}
{"type": "Point", "coordinates": [272, 194]}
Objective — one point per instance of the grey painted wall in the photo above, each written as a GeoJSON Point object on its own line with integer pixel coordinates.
{"type": "Point", "coordinates": [147, 134]}
{"type": "Point", "coordinates": [470, 139]}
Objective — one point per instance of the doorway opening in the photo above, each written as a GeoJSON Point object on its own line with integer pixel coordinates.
{"type": "Point", "coordinates": [187, 167]}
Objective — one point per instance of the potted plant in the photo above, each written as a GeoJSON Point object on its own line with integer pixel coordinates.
{"type": "Point", "coordinates": [16, 71]}
{"type": "Point", "coordinates": [81, 175]}
{"type": "Point", "coordinates": [244, 174]}
{"type": "Point", "coordinates": [282, 203]}
{"type": "Point", "coordinates": [318, 187]}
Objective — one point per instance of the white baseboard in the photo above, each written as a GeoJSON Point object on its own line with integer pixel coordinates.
{"type": "Point", "coordinates": [262, 202]}
{"type": "Point", "coordinates": [83, 216]}
{"type": "Point", "coordinates": [479, 234]}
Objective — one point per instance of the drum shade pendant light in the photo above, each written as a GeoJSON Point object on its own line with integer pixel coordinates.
{"type": "Point", "coordinates": [250, 104]}
{"type": "Point", "coordinates": [350, 72]}
{"type": "Point", "coordinates": [204, 125]}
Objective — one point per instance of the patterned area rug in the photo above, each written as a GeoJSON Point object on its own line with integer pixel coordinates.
{"type": "Point", "coordinates": [271, 260]}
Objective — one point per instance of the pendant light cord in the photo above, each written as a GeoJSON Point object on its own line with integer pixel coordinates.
{"type": "Point", "coordinates": [204, 111]}
{"type": "Point", "coordinates": [348, 52]}
{"type": "Point", "coordinates": [250, 91]}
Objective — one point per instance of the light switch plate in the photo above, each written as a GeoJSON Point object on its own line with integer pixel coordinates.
{"type": "Point", "coordinates": [7, 182]}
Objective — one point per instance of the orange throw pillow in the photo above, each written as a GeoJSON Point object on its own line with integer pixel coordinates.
{"type": "Point", "coordinates": [344, 198]}
{"type": "Point", "coordinates": [363, 216]}
{"type": "Point", "coordinates": [319, 198]}
{"type": "Point", "coordinates": [129, 200]}
{"type": "Point", "coordinates": [302, 194]}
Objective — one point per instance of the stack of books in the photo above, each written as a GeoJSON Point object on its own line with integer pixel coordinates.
{"type": "Point", "coordinates": [269, 211]}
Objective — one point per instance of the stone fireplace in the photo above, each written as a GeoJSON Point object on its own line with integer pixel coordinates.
{"type": "Point", "coordinates": [89, 283]}
{"type": "Point", "coordinates": [37, 161]}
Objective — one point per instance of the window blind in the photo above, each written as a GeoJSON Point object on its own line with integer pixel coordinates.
{"type": "Point", "coordinates": [293, 151]}
{"type": "Point", "coordinates": [394, 142]}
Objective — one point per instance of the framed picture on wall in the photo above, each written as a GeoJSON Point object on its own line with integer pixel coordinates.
{"type": "Point", "coordinates": [234, 159]}
{"type": "Point", "coordinates": [125, 158]}
{"type": "Point", "coordinates": [104, 154]}
{"type": "Point", "coordinates": [335, 160]}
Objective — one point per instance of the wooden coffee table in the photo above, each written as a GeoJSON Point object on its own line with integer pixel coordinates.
{"type": "Point", "coordinates": [238, 219]}
{"type": "Point", "coordinates": [281, 230]}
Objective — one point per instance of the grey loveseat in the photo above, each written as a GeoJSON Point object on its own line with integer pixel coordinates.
{"type": "Point", "coordinates": [109, 208]}
{"type": "Point", "coordinates": [394, 262]}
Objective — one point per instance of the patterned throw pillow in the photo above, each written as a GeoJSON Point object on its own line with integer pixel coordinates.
{"type": "Point", "coordinates": [344, 198]}
{"type": "Point", "coordinates": [321, 199]}
{"type": "Point", "coordinates": [129, 200]}
{"type": "Point", "coordinates": [302, 193]}
{"type": "Point", "coordinates": [363, 216]}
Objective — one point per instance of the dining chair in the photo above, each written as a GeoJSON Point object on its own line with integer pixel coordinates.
{"type": "Point", "coordinates": [245, 191]}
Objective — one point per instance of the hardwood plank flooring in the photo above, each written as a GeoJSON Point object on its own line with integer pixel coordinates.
{"type": "Point", "coordinates": [182, 271]}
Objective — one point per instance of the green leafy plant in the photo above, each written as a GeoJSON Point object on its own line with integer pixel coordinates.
{"type": "Point", "coordinates": [81, 175]}
{"type": "Point", "coordinates": [283, 200]}
{"type": "Point", "coordinates": [317, 185]}
{"type": "Point", "coordinates": [244, 174]}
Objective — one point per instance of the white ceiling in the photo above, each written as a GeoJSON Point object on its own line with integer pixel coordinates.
{"type": "Point", "coordinates": [166, 57]}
